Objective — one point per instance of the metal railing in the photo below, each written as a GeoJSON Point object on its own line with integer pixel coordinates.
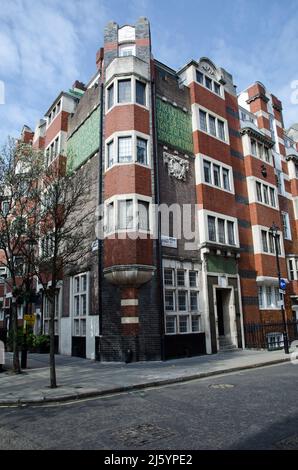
{"type": "Point", "coordinates": [269, 335]}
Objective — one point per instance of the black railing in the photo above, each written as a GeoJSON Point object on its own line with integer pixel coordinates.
{"type": "Point", "coordinates": [269, 335]}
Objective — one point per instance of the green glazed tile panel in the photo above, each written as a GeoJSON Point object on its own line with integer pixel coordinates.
{"type": "Point", "coordinates": [174, 126]}
{"type": "Point", "coordinates": [218, 264]}
{"type": "Point", "coordinates": [84, 142]}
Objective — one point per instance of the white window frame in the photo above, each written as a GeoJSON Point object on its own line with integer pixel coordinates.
{"type": "Point", "coordinates": [186, 267]}
{"type": "Point", "coordinates": [287, 233]}
{"type": "Point", "coordinates": [294, 261]}
{"type": "Point", "coordinates": [124, 46]}
{"type": "Point", "coordinates": [263, 290]}
{"type": "Point", "coordinates": [133, 79]}
{"type": "Point", "coordinates": [203, 228]}
{"type": "Point", "coordinates": [134, 161]}
{"type": "Point", "coordinates": [200, 176]}
{"type": "Point", "coordinates": [203, 85]}
{"type": "Point", "coordinates": [58, 312]}
{"type": "Point", "coordinates": [135, 199]}
{"type": "Point", "coordinates": [257, 241]}
{"type": "Point", "coordinates": [197, 126]}
{"type": "Point", "coordinates": [253, 195]}
{"type": "Point", "coordinates": [79, 318]}
{"type": "Point", "coordinates": [55, 153]}
{"type": "Point", "coordinates": [54, 113]}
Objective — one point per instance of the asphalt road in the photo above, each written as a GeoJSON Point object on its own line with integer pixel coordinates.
{"type": "Point", "coordinates": [254, 409]}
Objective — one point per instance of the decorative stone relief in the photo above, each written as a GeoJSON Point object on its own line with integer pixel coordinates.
{"type": "Point", "coordinates": [177, 167]}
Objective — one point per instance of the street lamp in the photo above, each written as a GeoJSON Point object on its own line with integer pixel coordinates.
{"type": "Point", "coordinates": [274, 232]}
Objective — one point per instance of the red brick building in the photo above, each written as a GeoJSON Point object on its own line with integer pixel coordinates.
{"type": "Point", "coordinates": [222, 168]}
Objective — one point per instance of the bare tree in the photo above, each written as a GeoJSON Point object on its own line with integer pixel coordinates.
{"type": "Point", "coordinates": [20, 170]}
{"type": "Point", "coordinates": [63, 222]}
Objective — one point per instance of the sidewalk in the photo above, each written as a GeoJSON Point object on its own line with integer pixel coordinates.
{"type": "Point", "coordinates": [80, 378]}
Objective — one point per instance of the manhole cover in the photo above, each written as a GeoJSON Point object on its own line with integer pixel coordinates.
{"type": "Point", "coordinates": [221, 386]}
{"type": "Point", "coordinates": [290, 443]}
{"type": "Point", "coordinates": [142, 434]}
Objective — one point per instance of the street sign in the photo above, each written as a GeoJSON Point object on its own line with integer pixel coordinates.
{"type": "Point", "coordinates": [282, 284]}
{"type": "Point", "coordinates": [29, 319]}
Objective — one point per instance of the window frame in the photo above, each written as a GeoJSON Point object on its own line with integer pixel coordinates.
{"type": "Point", "coordinates": [80, 318]}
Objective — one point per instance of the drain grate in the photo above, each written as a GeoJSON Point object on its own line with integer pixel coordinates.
{"type": "Point", "coordinates": [142, 434]}
{"type": "Point", "coordinates": [290, 443]}
{"type": "Point", "coordinates": [221, 386]}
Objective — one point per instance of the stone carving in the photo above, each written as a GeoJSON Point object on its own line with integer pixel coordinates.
{"type": "Point", "coordinates": [177, 167]}
{"type": "Point", "coordinates": [205, 66]}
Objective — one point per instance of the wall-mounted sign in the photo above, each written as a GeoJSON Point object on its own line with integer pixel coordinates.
{"type": "Point", "coordinates": [223, 281]}
{"type": "Point", "coordinates": [177, 167]}
{"type": "Point", "coordinates": [170, 242]}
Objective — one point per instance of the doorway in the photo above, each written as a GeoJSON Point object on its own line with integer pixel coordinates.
{"type": "Point", "coordinates": [224, 310]}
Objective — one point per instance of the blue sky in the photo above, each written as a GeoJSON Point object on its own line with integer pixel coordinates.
{"type": "Point", "coordinates": [45, 45]}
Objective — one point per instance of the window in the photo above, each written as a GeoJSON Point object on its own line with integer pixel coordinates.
{"type": "Point", "coordinates": [226, 179]}
{"type": "Point", "coordinates": [183, 323]}
{"type": "Point", "coordinates": [260, 151]}
{"type": "Point", "coordinates": [265, 194]}
{"type": "Point", "coordinates": [293, 269]}
{"type": "Point", "coordinates": [212, 125]}
{"type": "Point", "coordinates": [142, 151]}
{"type": "Point", "coordinates": [127, 50]}
{"type": "Point", "coordinates": [180, 277]}
{"type": "Point", "coordinates": [111, 96]}
{"type": "Point", "coordinates": [272, 197]}
{"type": "Point", "coordinates": [208, 83]}
{"type": "Point", "coordinates": [267, 154]}
{"type": "Point", "coordinates": [269, 297]}
{"type": "Point", "coordinates": [221, 231]}
{"type": "Point", "coordinates": [286, 226]}
{"type": "Point", "coordinates": [140, 93]}
{"type": "Point", "coordinates": [182, 306]}
{"type": "Point", "coordinates": [143, 214]}
{"type": "Point", "coordinates": [216, 175]}
{"type": "Point", "coordinates": [110, 218]}
{"type": "Point", "coordinates": [193, 301]}
{"type": "Point", "coordinates": [260, 295]}
{"type": "Point", "coordinates": [193, 278]}
{"type": "Point", "coordinates": [171, 324]}
{"type": "Point", "coordinates": [124, 91]}
{"type": "Point", "coordinates": [231, 233]}
{"type": "Point", "coordinates": [203, 120]}
{"type": "Point", "coordinates": [124, 149]}
{"type": "Point", "coordinates": [268, 242]}
{"type": "Point", "coordinates": [183, 300]}
{"type": "Point", "coordinates": [169, 300]}
{"type": "Point", "coordinates": [221, 130]}
{"type": "Point", "coordinates": [110, 153]}
{"type": "Point", "coordinates": [80, 303]}
{"type": "Point", "coordinates": [207, 171]}
{"type": "Point", "coordinates": [259, 191]}
{"type": "Point", "coordinates": [47, 246]}
{"type": "Point", "coordinates": [125, 215]}
{"type": "Point", "coordinates": [253, 145]}
{"type": "Point", "coordinates": [168, 277]}
{"type": "Point", "coordinates": [217, 88]}
{"type": "Point", "coordinates": [296, 170]}
{"type": "Point", "coordinates": [264, 241]}
{"type": "Point", "coordinates": [211, 229]}
{"type": "Point", "coordinates": [225, 232]}
{"type": "Point", "coordinates": [200, 77]}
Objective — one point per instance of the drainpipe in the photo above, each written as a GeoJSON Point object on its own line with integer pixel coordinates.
{"type": "Point", "coordinates": [100, 242]}
{"type": "Point", "coordinates": [157, 201]}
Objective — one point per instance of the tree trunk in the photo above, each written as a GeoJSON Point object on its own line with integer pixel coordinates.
{"type": "Point", "coordinates": [53, 381]}
{"type": "Point", "coordinates": [15, 345]}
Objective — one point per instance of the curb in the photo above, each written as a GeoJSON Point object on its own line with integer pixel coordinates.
{"type": "Point", "coordinates": [129, 388]}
